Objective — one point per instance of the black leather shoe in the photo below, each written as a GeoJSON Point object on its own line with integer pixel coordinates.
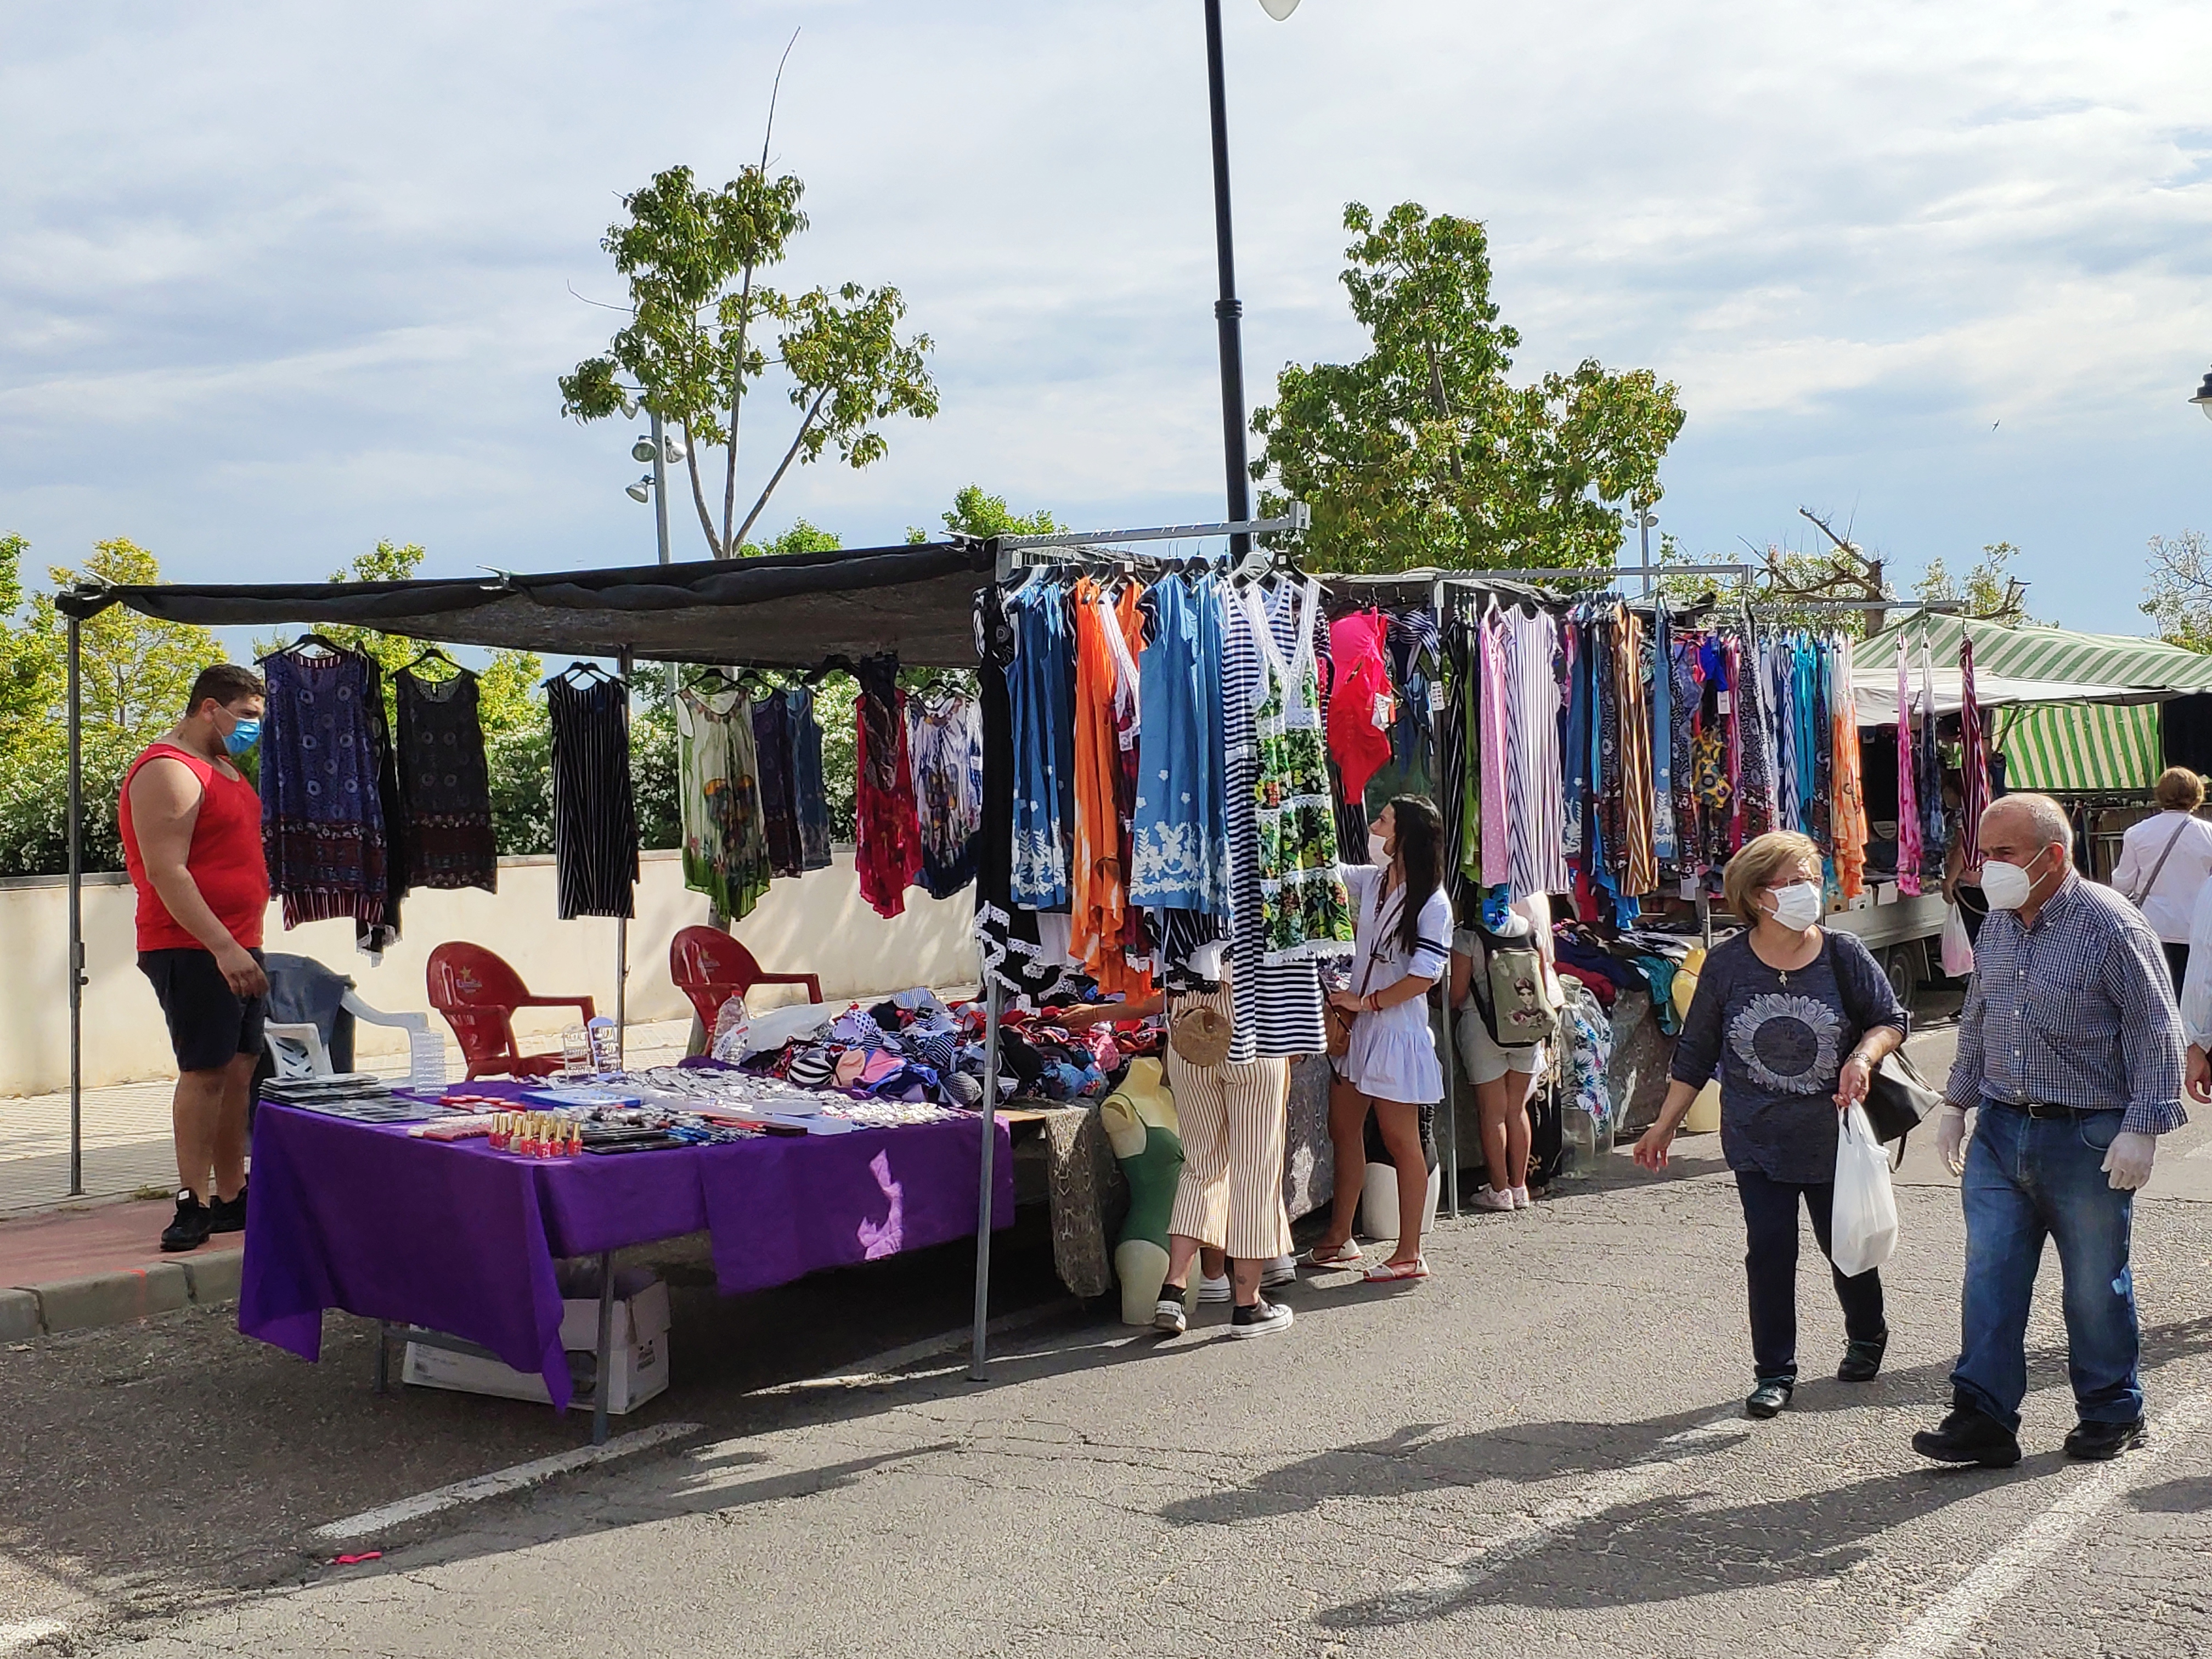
{"type": "Point", "coordinates": [2100, 1443]}
{"type": "Point", "coordinates": [1863, 1359]}
{"type": "Point", "coordinates": [1769, 1398]}
{"type": "Point", "coordinates": [1969, 1436]}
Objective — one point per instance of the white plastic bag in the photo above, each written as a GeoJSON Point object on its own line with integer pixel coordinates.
{"type": "Point", "coordinates": [1863, 1227]}
{"type": "Point", "coordinates": [1958, 954]}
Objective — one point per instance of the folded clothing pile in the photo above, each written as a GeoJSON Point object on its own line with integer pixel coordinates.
{"type": "Point", "coordinates": [914, 1048]}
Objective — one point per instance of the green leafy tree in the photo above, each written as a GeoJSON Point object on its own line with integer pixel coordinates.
{"type": "Point", "coordinates": [1422, 452]}
{"type": "Point", "coordinates": [1987, 590]}
{"type": "Point", "coordinates": [801, 538]}
{"type": "Point", "coordinates": [2177, 596]}
{"type": "Point", "coordinates": [698, 339]}
{"type": "Point", "coordinates": [973, 512]}
{"type": "Point", "coordinates": [135, 674]}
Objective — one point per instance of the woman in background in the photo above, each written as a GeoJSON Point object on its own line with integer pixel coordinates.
{"type": "Point", "coordinates": [1401, 947]}
{"type": "Point", "coordinates": [2163, 864]}
{"type": "Point", "coordinates": [1503, 1077]}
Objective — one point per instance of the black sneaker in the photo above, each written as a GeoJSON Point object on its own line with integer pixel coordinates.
{"type": "Point", "coordinates": [1863, 1359]}
{"type": "Point", "coordinates": [2100, 1443]}
{"type": "Point", "coordinates": [1262, 1318]}
{"type": "Point", "coordinates": [1167, 1313]}
{"type": "Point", "coordinates": [1770, 1398]}
{"type": "Point", "coordinates": [228, 1215]}
{"type": "Point", "coordinates": [189, 1231]}
{"type": "Point", "coordinates": [1969, 1435]}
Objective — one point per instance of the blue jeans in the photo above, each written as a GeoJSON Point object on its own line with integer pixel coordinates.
{"type": "Point", "coordinates": [2028, 1179]}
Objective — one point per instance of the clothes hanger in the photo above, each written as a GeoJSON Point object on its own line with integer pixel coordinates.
{"type": "Point", "coordinates": [308, 643]}
{"type": "Point", "coordinates": [429, 651]}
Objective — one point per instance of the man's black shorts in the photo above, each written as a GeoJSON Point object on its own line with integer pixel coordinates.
{"type": "Point", "coordinates": [209, 1025]}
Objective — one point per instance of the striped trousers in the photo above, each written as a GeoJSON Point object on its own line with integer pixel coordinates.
{"type": "Point", "coordinates": [1233, 1119]}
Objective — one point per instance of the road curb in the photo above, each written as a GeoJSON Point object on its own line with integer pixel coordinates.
{"type": "Point", "coordinates": [120, 1297]}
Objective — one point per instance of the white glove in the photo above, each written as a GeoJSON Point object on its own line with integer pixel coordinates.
{"type": "Point", "coordinates": [2128, 1163]}
{"type": "Point", "coordinates": [1951, 1139]}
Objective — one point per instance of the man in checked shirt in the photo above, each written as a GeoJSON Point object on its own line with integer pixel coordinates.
{"type": "Point", "coordinates": [2069, 1055]}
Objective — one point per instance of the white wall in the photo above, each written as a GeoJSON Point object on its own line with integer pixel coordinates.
{"type": "Point", "coordinates": [817, 924]}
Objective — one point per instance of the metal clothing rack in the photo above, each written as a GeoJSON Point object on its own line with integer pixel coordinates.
{"type": "Point", "coordinates": [1015, 553]}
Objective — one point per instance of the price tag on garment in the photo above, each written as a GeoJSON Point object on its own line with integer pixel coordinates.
{"type": "Point", "coordinates": [1436, 698]}
{"type": "Point", "coordinates": [1384, 713]}
{"type": "Point", "coordinates": [1724, 701]}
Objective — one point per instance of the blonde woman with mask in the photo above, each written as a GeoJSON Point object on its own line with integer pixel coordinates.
{"type": "Point", "coordinates": [1794, 1019]}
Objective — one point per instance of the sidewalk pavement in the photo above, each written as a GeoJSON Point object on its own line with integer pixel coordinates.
{"type": "Point", "coordinates": [67, 1262]}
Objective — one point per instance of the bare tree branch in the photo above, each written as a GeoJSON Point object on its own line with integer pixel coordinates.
{"type": "Point", "coordinates": [789, 456]}
{"type": "Point", "coordinates": [729, 547]}
{"type": "Point", "coordinates": [714, 549]}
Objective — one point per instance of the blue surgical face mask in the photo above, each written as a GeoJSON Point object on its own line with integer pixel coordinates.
{"type": "Point", "coordinates": [243, 736]}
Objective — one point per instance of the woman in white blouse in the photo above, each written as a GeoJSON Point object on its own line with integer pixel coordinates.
{"type": "Point", "coordinates": [1402, 947]}
{"type": "Point", "coordinates": [2164, 861]}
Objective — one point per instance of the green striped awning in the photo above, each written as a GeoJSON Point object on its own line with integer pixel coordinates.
{"type": "Point", "coordinates": [2079, 747]}
{"type": "Point", "coordinates": [2082, 748]}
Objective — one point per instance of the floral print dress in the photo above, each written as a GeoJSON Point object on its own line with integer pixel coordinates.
{"type": "Point", "coordinates": [1304, 908]}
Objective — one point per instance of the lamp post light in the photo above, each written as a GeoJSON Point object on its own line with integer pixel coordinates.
{"type": "Point", "coordinates": [1645, 521]}
{"type": "Point", "coordinates": [2203, 397]}
{"type": "Point", "coordinates": [1228, 310]}
{"type": "Point", "coordinates": [663, 451]}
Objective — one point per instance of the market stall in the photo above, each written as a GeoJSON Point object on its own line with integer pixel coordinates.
{"type": "Point", "coordinates": [866, 611]}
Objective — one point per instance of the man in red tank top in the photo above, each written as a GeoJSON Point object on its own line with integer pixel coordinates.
{"type": "Point", "coordinates": [191, 840]}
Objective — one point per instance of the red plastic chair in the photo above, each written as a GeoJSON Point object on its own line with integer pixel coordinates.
{"type": "Point", "coordinates": [710, 968]}
{"type": "Point", "coordinates": [478, 993]}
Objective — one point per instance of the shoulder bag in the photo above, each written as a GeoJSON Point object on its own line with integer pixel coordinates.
{"type": "Point", "coordinates": [2138, 895]}
{"type": "Point", "coordinates": [1338, 1021]}
{"type": "Point", "coordinates": [1897, 1097]}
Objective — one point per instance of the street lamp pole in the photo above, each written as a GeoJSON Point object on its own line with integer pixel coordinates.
{"type": "Point", "coordinates": [660, 486]}
{"type": "Point", "coordinates": [1228, 310]}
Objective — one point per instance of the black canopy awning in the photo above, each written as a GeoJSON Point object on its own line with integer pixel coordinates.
{"type": "Point", "coordinates": [790, 611]}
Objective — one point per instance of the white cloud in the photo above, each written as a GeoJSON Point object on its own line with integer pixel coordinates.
{"type": "Point", "coordinates": [275, 281]}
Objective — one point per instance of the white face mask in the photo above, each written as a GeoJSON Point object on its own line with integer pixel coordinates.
{"type": "Point", "coordinates": [1378, 849]}
{"type": "Point", "coordinates": [2007, 886]}
{"type": "Point", "coordinates": [1798, 906]}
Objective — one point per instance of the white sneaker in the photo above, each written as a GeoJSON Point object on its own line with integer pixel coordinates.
{"type": "Point", "coordinates": [1213, 1290]}
{"type": "Point", "coordinates": [1282, 1270]}
{"type": "Point", "coordinates": [1487, 1197]}
{"type": "Point", "coordinates": [1521, 1199]}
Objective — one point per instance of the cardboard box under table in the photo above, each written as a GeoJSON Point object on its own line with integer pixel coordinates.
{"type": "Point", "coordinates": [456, 1238]}
{"type": "Point", "coordinates": [637, 1357]}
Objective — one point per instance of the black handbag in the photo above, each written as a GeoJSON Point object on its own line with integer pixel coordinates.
{"type": "Point", "coordinates": [1897, 1100]}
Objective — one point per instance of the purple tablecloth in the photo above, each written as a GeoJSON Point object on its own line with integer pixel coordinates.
{"type": "Point", "coordinates": [457, 1237]}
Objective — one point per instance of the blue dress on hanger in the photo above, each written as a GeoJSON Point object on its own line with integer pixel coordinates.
{"type": "Point", "coordinates": [1179, 858]}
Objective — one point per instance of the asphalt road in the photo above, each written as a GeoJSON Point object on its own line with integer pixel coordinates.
{"type": "Point", "coordinates": [1541, 1449]}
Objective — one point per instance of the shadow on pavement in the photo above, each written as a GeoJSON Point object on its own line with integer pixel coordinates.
{"type": "Point", "coordinates": [2191, 1495]}
{"type": "Point", "coordinates": [1682, 1551]}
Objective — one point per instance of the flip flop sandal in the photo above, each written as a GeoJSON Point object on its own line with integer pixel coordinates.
{"type": "Point", "coordinates": [1391, 1272]}
{"type": "Point", "coordinates": [1345, 1258]}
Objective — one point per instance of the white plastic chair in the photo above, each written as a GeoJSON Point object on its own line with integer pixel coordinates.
{"type": "Point", "coordinates": [298, 1049]}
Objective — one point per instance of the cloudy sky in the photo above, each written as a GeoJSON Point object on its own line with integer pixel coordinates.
{"type": "Point", "coordinates": [278, 280]}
